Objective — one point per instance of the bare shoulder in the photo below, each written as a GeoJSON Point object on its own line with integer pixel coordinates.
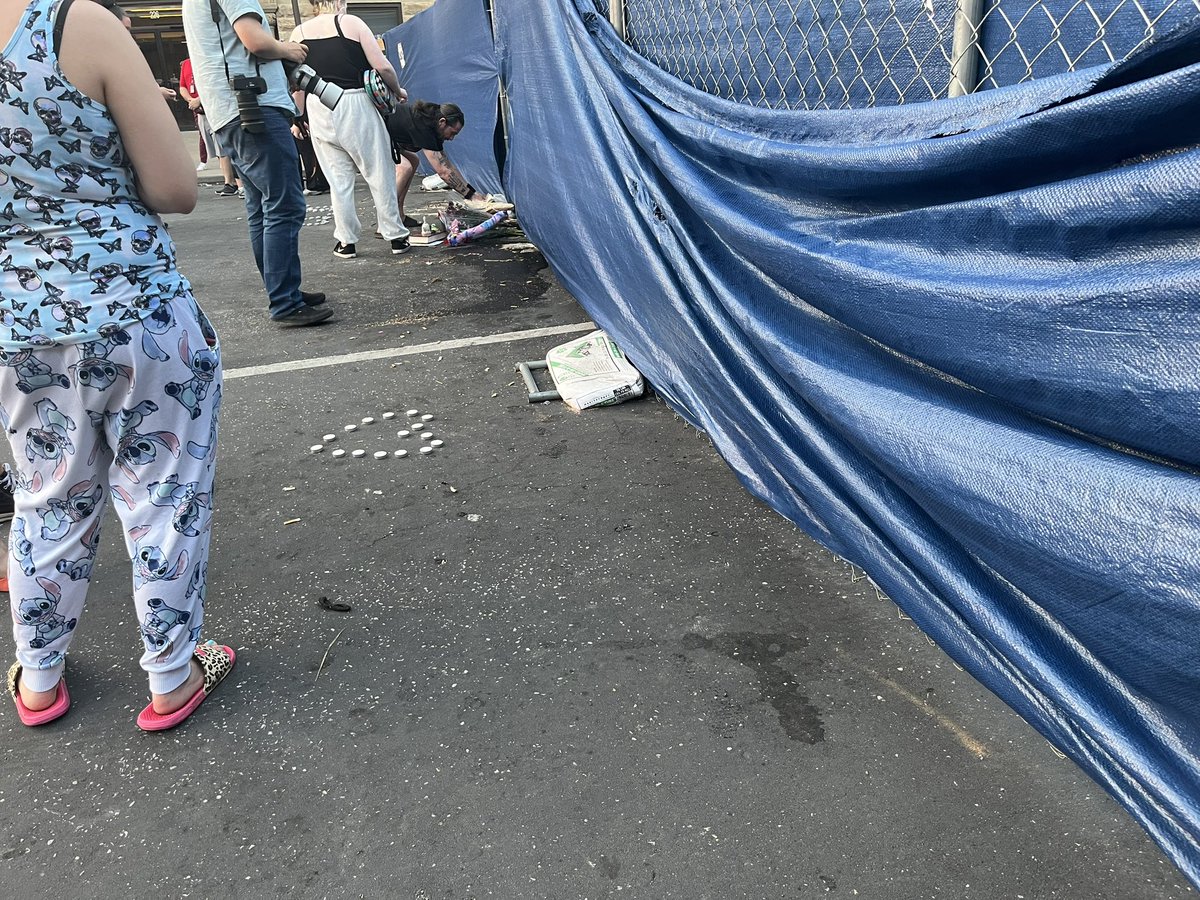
{"type": "Point", "coordinates": [94, 46]}
{"type": "Point", "coordinates": [91, 20]}
{"type": "Point", "coordinates": [358, 26]}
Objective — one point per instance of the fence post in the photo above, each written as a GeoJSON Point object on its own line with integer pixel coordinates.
{"type": "Point", "coordinates": [964, 55]}
{"type": "Point", "coordinates": [503, 112]}
{"type": "Point", "coordinates": [616, 15]}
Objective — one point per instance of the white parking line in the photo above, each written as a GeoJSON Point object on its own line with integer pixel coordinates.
{"type": "Point", "coordinates": [435, 347]}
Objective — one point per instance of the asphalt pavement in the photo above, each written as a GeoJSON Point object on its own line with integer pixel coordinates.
{"type": "Point", "coordinates": [579, 660]}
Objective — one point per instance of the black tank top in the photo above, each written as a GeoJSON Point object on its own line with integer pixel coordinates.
{"type": "Point", "coordinates": [337, 59]}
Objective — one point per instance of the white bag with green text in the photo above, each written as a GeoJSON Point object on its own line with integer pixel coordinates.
{"type": "Point", "coordinates": [592, 371]}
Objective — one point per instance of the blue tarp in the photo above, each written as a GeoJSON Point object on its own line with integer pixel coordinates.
{"type": "Point", "coordinates": [448, 57]}
{"type": "Point", "coordinates": [957, 342]}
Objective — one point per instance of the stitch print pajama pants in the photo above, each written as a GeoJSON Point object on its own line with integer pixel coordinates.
{"type": "Point", "coordinates": [134, 417]}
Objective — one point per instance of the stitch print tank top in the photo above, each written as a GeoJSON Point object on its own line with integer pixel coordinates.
{"type": "Point", "coordinates": [80, 256]}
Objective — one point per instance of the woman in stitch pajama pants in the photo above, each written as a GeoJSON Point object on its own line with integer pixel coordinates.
{"type": "Point", "coordinates": [134, 417]}
{"type": "Point", "coordinates": [110, 374]}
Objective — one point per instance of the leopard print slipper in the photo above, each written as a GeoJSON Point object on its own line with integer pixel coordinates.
{"type": "Point", "coordinates": [217, 661]}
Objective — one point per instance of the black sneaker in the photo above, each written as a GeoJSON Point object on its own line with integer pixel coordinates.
{"type": "Point", "coordinates": [305, 315]}
{"type": "Point", "coordinates": [400, 245]}
{"type": "Point", "coordinates": [345, 251]}
{"type": "Point", "coordinates": [226, 190]}
{"type": "Point", "coordinates": [312, 298]}
{"type": "Point", "coordinates": [410, 222]}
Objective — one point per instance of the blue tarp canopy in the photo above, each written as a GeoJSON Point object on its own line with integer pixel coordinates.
{"type": "Point", "coordinates": [957, 342]}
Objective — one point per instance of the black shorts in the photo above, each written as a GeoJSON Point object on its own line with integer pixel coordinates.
{"type": "Point", "coordinates": [396, 148]}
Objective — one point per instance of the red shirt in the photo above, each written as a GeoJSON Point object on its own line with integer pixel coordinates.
{"type": "Point", "coordinates": [186, 79]}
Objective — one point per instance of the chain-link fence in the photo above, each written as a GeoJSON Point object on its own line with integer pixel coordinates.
{"type": "Point", "coordinates": [838, 54]}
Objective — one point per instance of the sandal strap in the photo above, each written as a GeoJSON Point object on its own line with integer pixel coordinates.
{"type": "Point", "coordinates": [216, 663]}
{"type": "Point", "coordinates": [14, 676]}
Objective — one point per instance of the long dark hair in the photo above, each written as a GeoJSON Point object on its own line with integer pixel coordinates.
{"type": "Point", "coordinates": [431, 112]}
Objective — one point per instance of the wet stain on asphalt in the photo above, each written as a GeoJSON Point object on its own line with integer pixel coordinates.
{"type": "Point", "coordinates": [762, 654]}
{"type": "Point", "coordinates": [609, 866]}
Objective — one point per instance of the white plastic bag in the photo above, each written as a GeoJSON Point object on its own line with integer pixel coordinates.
{"type": "Point", "coordinates": [592, 371]}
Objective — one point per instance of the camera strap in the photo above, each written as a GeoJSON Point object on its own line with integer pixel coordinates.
{"type": "Point", "coordinates": [216, 17]}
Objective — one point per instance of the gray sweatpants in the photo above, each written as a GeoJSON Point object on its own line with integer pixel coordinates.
{"type": "Point", "coordinates": [348, 139]}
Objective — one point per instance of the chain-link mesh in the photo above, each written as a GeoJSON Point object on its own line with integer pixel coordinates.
{"type": "Point", "coordinates": [1019, 44]}
{"type": "Point", "coordinates": [838, 54]}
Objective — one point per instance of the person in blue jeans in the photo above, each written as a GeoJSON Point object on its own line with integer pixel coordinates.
{"type": "Point", "coordinates": [227, 39]}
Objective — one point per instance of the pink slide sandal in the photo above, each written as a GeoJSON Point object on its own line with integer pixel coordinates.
{"type": "Point", "coordinates": [34, 717]}
{"type": "Point", "coordinates": [217, 661]}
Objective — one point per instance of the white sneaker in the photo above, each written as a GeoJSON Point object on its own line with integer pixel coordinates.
{"type": "Point", "coordinates": [200, 167]}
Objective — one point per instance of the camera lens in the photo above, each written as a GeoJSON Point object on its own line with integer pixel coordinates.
{"type": "Point", "coordinates": [304, 78]}
{"type": "Point", "coordinates": [250, 113]}
{"type": "Point", "coordinates": [246, 90]}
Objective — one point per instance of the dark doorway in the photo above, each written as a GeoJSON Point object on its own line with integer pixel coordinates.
{"type": "Point", "coordinates": [159, 34]}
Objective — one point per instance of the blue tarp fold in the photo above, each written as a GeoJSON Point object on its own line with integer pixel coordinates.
{"type": "Point", "coordinates": [957, 342]}
{"type": "Point", "coordinates": [448, 56]}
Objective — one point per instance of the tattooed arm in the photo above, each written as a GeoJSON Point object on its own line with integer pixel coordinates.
{"type": "Point", "coordinates": [449, 173]}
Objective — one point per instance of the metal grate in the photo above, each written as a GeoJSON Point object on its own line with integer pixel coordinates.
{"type": "Point", "coordinates": [839, 54]}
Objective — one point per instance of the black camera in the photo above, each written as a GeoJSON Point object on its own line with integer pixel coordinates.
{"type": "Point", "coordinates": [304, 78]}
{"type": "Point", "coordinates": [247, 88]}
